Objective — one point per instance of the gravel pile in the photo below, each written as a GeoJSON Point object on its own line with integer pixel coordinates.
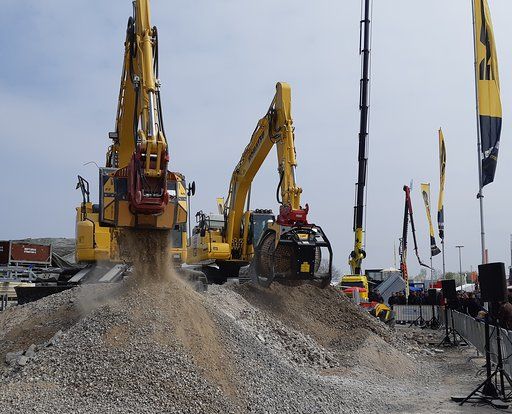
{"type": "Point", "coordinates": [124, 356]}
{"type": "Point", "coordinates": [277, 337]}
{"type": "Point", "coordinates": [159, 346]}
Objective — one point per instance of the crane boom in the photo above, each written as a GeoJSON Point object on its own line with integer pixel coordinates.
{"type": "Point", "coordinates": [408, 217]}
{"type": "Point", "coordinates": [358, 254]}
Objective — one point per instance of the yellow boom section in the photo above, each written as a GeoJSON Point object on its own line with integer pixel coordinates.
{"type": "Point", "coordinates": [138, 119]}
{"type": "Point", "coordinates": [276, 127]}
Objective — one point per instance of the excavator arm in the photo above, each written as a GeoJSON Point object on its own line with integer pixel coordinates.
{"type": "Point", "coordinates": [138, 158]}
{"type": "Point", "coordinates": [275, 128]}
{"type": "Point", "coordinates": [289, 248]}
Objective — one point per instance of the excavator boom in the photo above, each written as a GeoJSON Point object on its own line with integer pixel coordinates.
{"type": "Point", "coordinates": [139, 151]}
{"type": "Point", "coordinates": [275, 128]}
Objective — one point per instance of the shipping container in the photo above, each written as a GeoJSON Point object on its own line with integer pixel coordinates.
{"type": "Point", "coordinates": [12, 253]}
{"type": "Point", "coordinates": [4, 252]}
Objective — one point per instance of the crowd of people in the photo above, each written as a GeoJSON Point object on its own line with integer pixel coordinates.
{"type": "Point", "coordinates": [415, 298]}
{"type": "Point", "coordinates": [469, 303]}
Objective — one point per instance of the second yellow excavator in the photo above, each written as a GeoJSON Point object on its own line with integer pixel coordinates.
{"type": "Point", "coordinates": [286, 249]}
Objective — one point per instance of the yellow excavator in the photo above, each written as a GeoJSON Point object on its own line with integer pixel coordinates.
{"type": "Point", "coordinates": [286, 249]}
{"type": "Point", "coordinates": [137, 192]}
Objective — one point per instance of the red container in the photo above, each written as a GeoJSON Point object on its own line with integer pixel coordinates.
{"type": "Point", "coordinates": [4, 252]}
{"type": "Point", "coordinates": [31, 253]}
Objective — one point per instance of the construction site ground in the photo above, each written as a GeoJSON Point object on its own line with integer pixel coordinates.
{"type": "Point", "coordinates": [158, 346]}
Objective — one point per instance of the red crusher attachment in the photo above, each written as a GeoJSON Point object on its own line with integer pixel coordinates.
{"type": "Point", "coordinates": [289, 217]}
{"type": "Point", "coordinates": [147, 183]}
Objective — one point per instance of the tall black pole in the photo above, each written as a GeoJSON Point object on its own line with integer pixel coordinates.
{"type": "Point", "coordinates": [358, 253]}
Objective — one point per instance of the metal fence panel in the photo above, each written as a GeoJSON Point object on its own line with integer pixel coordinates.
{"type": "Point", "coordinates": [409, 313]}
{"type": "Point", "coordinates": [507, 351]}
{"type": "Point", "coordinates": [469, 328]}
{"type": "Point", "coordinates": [3, 302]}
{"type": "Point", "coordinates": [473, 331]}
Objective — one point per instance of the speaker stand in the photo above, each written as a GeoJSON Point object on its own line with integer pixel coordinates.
{"type": "Point", "coordinates": [458, 339]}
{"type": "Point", "coordinates": [419, 321]}
{"type": "Point", "coordinates": [433, 322]}
{"type": "Point", "coordinates": [489, 391]}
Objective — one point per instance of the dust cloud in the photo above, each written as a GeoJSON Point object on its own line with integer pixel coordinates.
{"type": "Point", "coordinates": [149, 252]}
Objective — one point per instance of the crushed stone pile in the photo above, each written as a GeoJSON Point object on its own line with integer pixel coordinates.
{"type": "Point", "coordinates": [325, 314]}
{"type": "Point", "coordinates": [155, 345]}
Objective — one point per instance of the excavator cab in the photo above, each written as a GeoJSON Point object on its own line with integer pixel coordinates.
{"type": "Point", "coordinates": [259, 222]}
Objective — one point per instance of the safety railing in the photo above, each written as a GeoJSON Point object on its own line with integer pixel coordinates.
{"type": "Point", "coordinates": [3, 302]}
{"type": "Point", "coordinates": [411, 313]}
{"type": "Point", "coordinates": [473, 331]}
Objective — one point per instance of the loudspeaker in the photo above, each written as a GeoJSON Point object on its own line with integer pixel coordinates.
{"type": "Point", "coordinates": [432, 297]}
{"type": "Point", "coordinates": [493, 283]}
{"type": "Point", "coordinates": [448, 287]}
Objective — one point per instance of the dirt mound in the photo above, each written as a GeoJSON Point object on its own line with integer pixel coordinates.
{"type": "Point", "coordinates": [378, 356]}
{"type": "Point", "coordinates": [156, 345]}
{"type": "Point", "coordinates": [37, 322]}
{"type": "Point", "coordinates": [325, 314]}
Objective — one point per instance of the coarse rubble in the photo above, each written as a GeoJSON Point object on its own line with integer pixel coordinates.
{"type": "Point", "coordinates": [155, 345]}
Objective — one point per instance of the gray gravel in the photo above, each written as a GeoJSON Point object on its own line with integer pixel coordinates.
{"type": "Point", "coordinates": [88, 370]}
{"type": "Point", "coordinates": [164, 348]}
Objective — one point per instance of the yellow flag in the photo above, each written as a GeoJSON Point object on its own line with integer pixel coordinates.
{"type": "Point", "coordinates": [425, 192]}
{"type": "Point", "coordinates": [488, 90]}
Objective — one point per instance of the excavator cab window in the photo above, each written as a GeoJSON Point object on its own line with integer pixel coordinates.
{"type": "Point", "coordinates": [171, 188]}
{"type": "Point", "coordinates": [353, 284]}
{"type": "Point", "coordinates": [177, 236]}
{"type": "Point", "coordinates": [259, 223]}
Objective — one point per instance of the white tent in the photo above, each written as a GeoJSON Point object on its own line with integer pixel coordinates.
{"type": "Point", "coordinates": [468, 287]}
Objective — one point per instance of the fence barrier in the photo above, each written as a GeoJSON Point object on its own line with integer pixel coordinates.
{"type": "Point", "coordinates": [473, 331]}
{"type": "Point", "coordinates": [3, 302]}
{"type": "Point", "coordinates": [409, 313]}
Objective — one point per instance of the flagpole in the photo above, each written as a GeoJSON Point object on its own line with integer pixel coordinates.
{"type": "Point", "coordinates": [444, 266]}
{"type": "Point", "coordinates": [480, 195]}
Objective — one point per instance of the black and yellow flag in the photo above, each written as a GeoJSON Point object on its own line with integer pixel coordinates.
{"type": "Point", "coordinates": [442, 169]}
{"type": "Point", "coordinates": [425, 192]}
{"type": "Point", "coordinates": [488, 89]}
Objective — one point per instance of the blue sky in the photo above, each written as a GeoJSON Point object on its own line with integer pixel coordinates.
{"type": "Point", "coordinates": [219, 62]}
